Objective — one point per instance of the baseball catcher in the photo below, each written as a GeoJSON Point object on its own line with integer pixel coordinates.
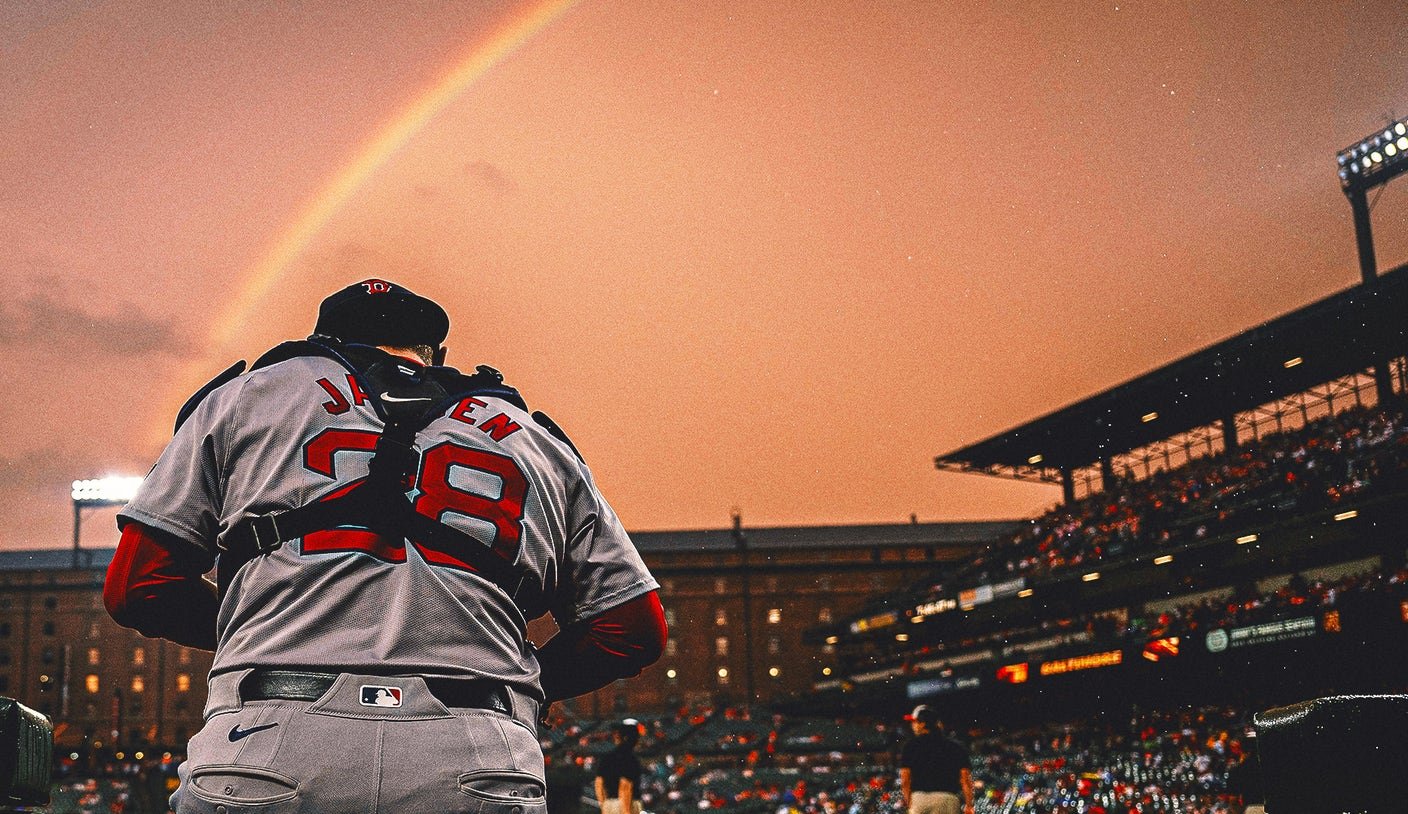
{"type": "Point", "coordinates": [381, 527]}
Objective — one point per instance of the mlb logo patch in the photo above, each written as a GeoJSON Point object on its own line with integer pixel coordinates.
{"type": "Point", "coordinates": [374, 696]}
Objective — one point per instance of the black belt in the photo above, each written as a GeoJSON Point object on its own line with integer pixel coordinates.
{"type": "Point", "coordinates": [299, 685]}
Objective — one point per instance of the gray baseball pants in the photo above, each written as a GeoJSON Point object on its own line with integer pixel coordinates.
{"type": "Point", "coordinates": [338, 754]}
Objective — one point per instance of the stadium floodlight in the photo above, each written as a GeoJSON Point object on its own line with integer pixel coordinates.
{"type": "Point", "coordinates": [105, 491]}
{"type": "Point", "coordinates": [1147, 417]}
{"type": "Point", "coordinates": [1349, 515]}
{"type": "Point", "coordinates": [1034, 460]}
{"type": "Point", "coordinates": [1290, 363]}
{"type": "Point", "coordinates": [1246, 538]}
{"type": "Point", "coordinates": [1375, 158]}
{"type": "Point", "coordinates": [95, 492]}
{"type": "Point", "coordinates": [901, 637]}
{"type": "Point", "coordinates": [916, 618]}
{"type": "Point", "coordinates": [1091, 577]}
{"type": "Point", "coordinates": [1370, 162]}
{"type": "Point", "coordinates": [832, 639]}
{"type": "Point", "coordinates": [1163, 560]}
{"type": "Point", "coordinates": [1024, 593]}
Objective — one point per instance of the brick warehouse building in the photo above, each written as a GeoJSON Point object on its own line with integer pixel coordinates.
{"type": "Point", "coordinates": [729, 606]}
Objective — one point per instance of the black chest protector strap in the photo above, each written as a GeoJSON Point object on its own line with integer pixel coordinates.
{"type": "Point", "coordinates": [407, 398]}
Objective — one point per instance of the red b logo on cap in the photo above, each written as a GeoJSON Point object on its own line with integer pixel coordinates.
{"type": "Point", "coordinates": [377, 286]}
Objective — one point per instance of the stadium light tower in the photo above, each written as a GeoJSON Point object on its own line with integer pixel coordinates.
{"type": "Point", "coordinates": [1368, 164]}
{"type": "Point", "coordinates": [97, 492]}
{"type": "Point", "coordinates": [1371, 162]}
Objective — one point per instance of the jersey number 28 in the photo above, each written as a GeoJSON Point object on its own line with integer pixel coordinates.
{"type": "Point", "coordinates": [438, 497]}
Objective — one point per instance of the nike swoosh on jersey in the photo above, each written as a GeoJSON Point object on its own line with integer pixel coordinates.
{"type": "Point", "coordinates": [239, 734]}
{"type": "Point", "coordinates": [389, 397]}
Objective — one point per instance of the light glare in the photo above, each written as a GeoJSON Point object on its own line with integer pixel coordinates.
{"type": "Point", "coordinates": [105, 490]}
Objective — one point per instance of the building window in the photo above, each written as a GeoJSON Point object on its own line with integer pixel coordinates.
{"type": "Point", "coordinates": [90, 683]}
{"type": "Point", "coordinates": [94, 656]}
{"type": "Point", "coordinates": [139, 656]}
{"type": "Point", "coordinates": [667, 585]}
{"type": "Point", "coordinates": [721, 646]}
{"type": "Point", "coordinates": [183, 682]}
{"type": "Point", "coordinates": [824, 616]}
{"type": "Point", "coordinates": [4, 656]}
{"type": "Point", "coordinates": [774, 645]}
{"type": "Point", "coordinates": [51, 603]}
{"type": "Point", "coordinates": [139, 684]}
{"type": "Point", "coordinates": [669, 617]}
{"type": "Point", "coordinates": [720, 586]}
{"type": "Point", "coordinates": [48, 628]}
{"type": "Point", "coordinates": [4, 630]}
{"type": "Point", "coordinates": [720, 617]}
{"type": "Point", "coordinates": [4, 683]}
{"type": "Point", "coordinates": [824, 583]}
{"type": "Point", "coordinates": [772, 585]}
{"type": "Point", "coordinates": [47, 656]}
{"type": "Point", "coordinates": [93, 631]}
{"type": "Point", "coordinates": [774, 615]}
{"type": "Point", "coordinates": [183, 656]}
{"type": "Point", "coordinates": [672, 647]}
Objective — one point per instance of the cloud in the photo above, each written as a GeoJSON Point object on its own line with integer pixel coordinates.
{"type": "Point", "coordinates": [42, 318]}
{"type": "Point", "coordinates": [492, 177]}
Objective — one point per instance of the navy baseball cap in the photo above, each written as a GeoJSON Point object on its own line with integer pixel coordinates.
{"type": "Point", "coordinates": [378, 312]}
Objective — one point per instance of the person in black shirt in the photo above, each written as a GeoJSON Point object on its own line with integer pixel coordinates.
{"type": "Point", "coordinates": [618, 772]}
{"type": "Point", "coordinates": [934, 768]}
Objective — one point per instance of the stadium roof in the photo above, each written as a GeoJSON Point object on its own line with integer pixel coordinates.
{"type": "Point", "coordinates": [794, 537]}
{"type": "Point", "coordinates": [762, 538]}
{"type": "Point", "coordinates": [54, 559]}
{"type": "Point", "coordinates": [1334, 337]}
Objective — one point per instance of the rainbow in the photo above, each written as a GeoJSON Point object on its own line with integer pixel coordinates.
{"type": "Point", "coordinates": [477, 60]}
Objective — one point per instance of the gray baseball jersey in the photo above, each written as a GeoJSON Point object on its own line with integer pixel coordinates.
{"type": "Point", "coordinates": [350, 600]}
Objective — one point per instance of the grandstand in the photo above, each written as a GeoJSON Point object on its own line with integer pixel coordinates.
{"type": "Point", "coordinates": [1228, 541]}
{"type": "Point", "coordinates": [1230, 520]}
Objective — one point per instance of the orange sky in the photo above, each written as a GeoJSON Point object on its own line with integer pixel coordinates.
{"type": "Point", "coordinates": [754, 256]}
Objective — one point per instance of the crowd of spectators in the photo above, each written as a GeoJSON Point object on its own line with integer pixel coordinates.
{"type": "Point", "coordinates": [1138, 762]}
{"type": "Point", "coordinates": [1245, 604]}
{"type": "Point", "coordinates": [1317, 465]}
{"type": "Point", "coordinates": [112, 784]}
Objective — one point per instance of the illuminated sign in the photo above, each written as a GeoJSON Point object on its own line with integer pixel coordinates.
{"type": "Point", "coordinates": [1047, 643]}
{"type": "Point", "coordinates": [1109, 658]}
{"type": "Point", "coordinates": [975, 596]}
{"type": "Point", "coordinates": [936, 607]}
{"type": "Point", "coordinates": [954, 661]}
{"type": "Point", "coordinates": [1279, 631]}
{"type": "Point", "coordinates": [971, 597]}
{"type": "Point", "coordinates": [1161, 648]}
{"type": "Point", "coordinates": [1013, 673]}
{"type": "Point", "coordinates": [935, 686]}
{"type": "Point", "coordinates": [874, 622]}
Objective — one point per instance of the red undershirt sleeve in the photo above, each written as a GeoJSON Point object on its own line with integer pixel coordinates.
{"type": "Point", "coordinates": [157, 593]}
{"type": "Point", "coordinates": [618, 643]}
